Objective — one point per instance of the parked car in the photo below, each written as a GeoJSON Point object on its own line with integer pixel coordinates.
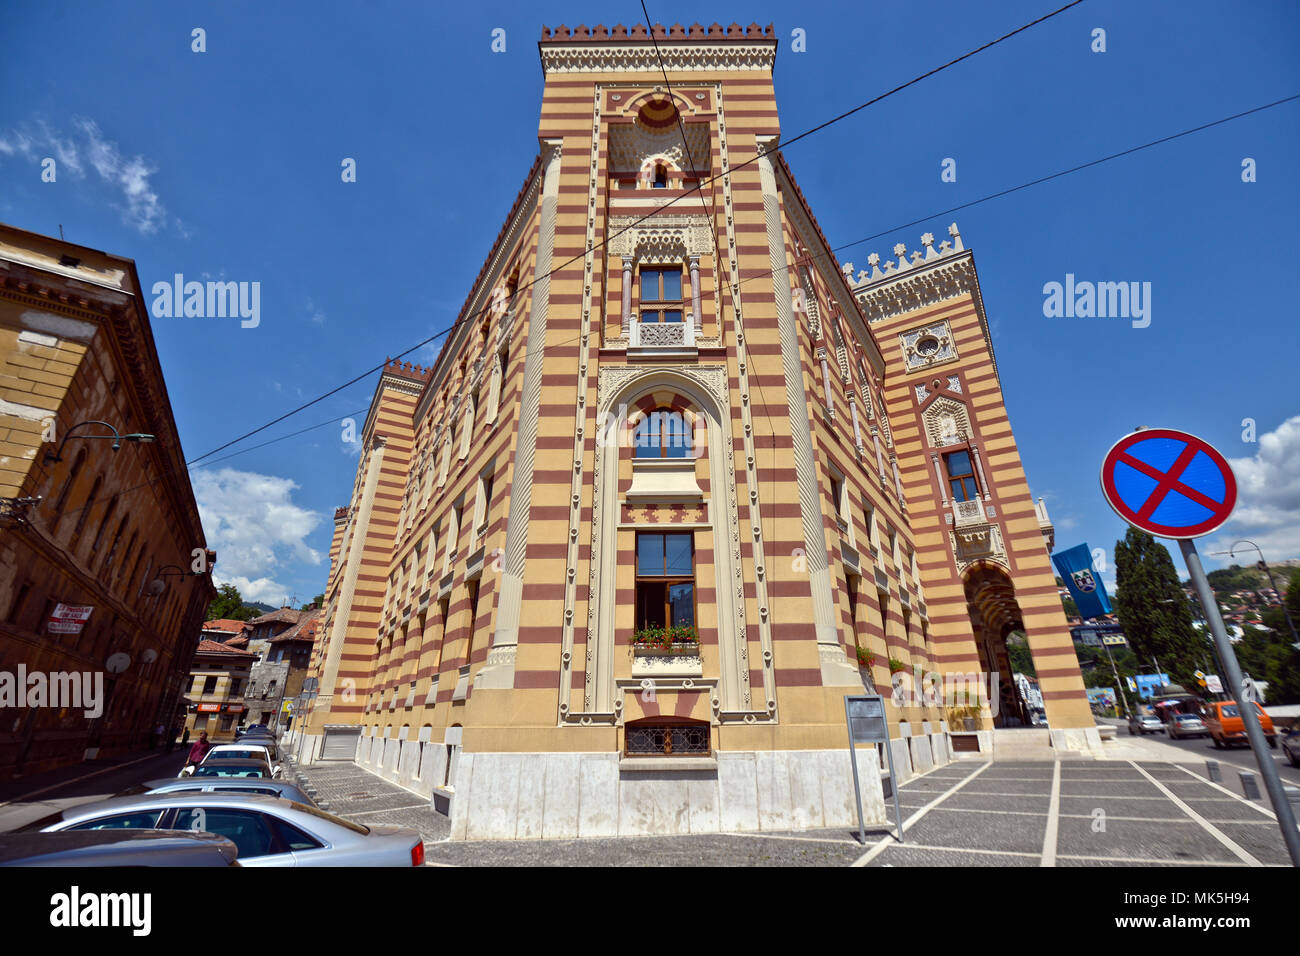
{"type": "Point", "coordinates": [207, 784]}
{"type": "Point", "coordinates": [252, 730]}
{"type": "Point", "coordinates": [268, 831]}
{"type": "Point", "coordinates": [1223, 721]}
{"type": "Point", "coordinates": [117, 848]}
{"type": "Point", "coordinates": [1291, 745]}
{"type": "Point", "coordinates": [1185, 725]}
{"type": "Point", "coordinates": [258, 768]}
{"type": "Point", "coordinates": [248, 751]}
{"type": "Point", "coordinates": [1145, 724]}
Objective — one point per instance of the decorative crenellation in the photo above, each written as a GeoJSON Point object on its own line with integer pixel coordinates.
{"type": "Point", "coordinates": [678, 49]}
{"type": "Point", "coordinates": [638, 31]}
{"type": "Point", "coordinates": [918, 258]}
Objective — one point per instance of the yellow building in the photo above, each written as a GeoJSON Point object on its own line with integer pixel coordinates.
{"type": "Point", "coordinates": [104, 571]}
{"type": "Point", "coordinates": [612, 563]}
{"type": "Point", "coordinates": [219, 679]}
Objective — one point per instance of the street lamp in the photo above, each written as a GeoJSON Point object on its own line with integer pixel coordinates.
{"type": "Point", "coordinates": [1263, 565]}
{"type": "Point", "coordinates": [140, 437]}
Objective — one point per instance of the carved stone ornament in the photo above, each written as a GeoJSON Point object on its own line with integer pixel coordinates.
{"type": "Point", "coordinates": [929, 345]}
{"type": "Point", "coordinates": [661, 239]}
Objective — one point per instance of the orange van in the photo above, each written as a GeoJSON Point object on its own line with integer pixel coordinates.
{"type": "Point", "coordinates": [1223, 721]}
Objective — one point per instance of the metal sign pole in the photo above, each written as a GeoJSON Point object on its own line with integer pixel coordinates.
{"type": "Point", "coordinates": [893, 785]}
{"type": "Point", "coordinates": [1267, 769]}
{"type": "Point", "coordinates": [857, 787]}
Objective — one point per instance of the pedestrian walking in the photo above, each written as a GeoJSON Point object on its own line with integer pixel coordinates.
{"type": "Point", "coordinates": [198, 751]}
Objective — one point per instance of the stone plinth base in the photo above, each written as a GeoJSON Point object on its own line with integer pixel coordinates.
{"type": "Point", "coordinates": [501, 796]}
{"type": "Point", "coordinates": [1077, 738]}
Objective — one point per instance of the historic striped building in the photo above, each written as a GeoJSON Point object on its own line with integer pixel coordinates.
{"type": "Point", "coordinates": [612, 563]}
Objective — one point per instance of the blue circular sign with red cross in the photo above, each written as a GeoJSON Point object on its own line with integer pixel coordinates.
{"type": "Point", "coordinates": [1168, 483]}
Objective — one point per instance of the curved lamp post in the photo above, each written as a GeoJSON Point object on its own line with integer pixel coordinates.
{"type": "Point", "coordinates": [1264, 565]}
{"type": "Point", "coordinates": [117, 439]}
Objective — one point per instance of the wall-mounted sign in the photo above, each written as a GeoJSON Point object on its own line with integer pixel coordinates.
{"type": "Point", "coordinates": [234, 708]}
{"type": "Point", "coordinates": [209, 708]}
{"type": "Point", "coordinates": [68, 618]}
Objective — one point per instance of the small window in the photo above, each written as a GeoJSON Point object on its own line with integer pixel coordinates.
{"type": "Point", "coordinates": [961, 476]}
{"type": "Point", "coordinates": [661, 177]}
{"type": "Point", "coordinates": [665, 580]}
{"type": "Point", "coordinates": [661, 294]}
{"type": "Point", "coordinates": [664, 433]}
{"type": "Point", "coordinates": [666, 738]}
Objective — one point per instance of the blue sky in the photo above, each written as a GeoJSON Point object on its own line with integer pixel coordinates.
{"type": "Point", "coordinates": [226, 164]}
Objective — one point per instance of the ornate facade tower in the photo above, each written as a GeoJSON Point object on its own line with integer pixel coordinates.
{"type": "Point", "coordinates": [645, 522]}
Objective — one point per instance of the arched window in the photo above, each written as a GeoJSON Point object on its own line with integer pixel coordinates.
{"type": "Point", "coordinates": [85, 512]}
{"type": "Point", "coordinates": [661, 177]}
{"type": "Point", "coordinates": [664, 433]}
{"type": "Point", "coordinates": [67, 487]}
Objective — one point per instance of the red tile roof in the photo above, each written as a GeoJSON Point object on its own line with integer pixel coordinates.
{"type": "Point", "coordinates": [216, 647]}
{"type": "Point", "coordinates": [225, 624]}
{"type": "Point", "coordinates": [284, 614]}
{"type": "Point", "coordinates": [304, 630]}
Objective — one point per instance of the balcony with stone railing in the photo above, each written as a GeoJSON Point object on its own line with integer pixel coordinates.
{"type": "Point", "coordinates": [967, 513]}
{"type": "Point", "coordinates": [663, 336]}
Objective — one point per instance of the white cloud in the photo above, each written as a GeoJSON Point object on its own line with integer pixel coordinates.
{"type": "Point", "coordinates": [255, 528]}
{"type": "Point", "coordinates": [128, 176]}
{"type": "Point", "coordinates": [1268, 500]}
{"type": "Point", "coordinates": [317, 315]}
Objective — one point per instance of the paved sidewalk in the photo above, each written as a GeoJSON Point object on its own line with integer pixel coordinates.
{"type": "Point", "coordinates": [1106, 812]}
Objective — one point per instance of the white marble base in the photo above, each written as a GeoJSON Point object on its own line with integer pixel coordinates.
{"type": "Point", "coordinates": [1077, 738]}
{"type": "Point", "coordinates": [565, 796]}
{"type": "Point", "coordinates": [902, 759]}
{"type": "Point", "coordinates": [922, 757]}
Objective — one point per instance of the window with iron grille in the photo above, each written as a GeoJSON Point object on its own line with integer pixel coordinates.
{"type": "Point", "coordinates": [662, 738]}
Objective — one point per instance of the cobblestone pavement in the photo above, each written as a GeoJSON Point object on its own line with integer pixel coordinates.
{"type": "Point", "coordinates": [968, 813]}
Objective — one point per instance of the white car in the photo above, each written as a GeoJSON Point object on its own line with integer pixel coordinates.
{"type": "Point", "coordinates": [268, 752]}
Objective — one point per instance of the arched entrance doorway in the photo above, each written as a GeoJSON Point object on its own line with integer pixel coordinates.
{"type": "Point", "coordinates": [994, 613]}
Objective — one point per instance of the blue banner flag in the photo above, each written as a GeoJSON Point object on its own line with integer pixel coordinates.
{"type": "Point", "coordinates": [1075, 568]}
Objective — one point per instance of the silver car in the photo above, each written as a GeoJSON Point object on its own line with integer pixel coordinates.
{"type": "Point", "coordinates": [245, 785]}
{"type": "Point", "coordinates": [1186, 725]}
{"type": "Point", "coordinates": [268, 831]}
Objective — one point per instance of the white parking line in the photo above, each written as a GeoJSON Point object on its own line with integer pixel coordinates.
{"type": "Point", "coordinates": [879, 848]}
{"type": "Point", "coordinates": [1254, 806]}
{"type": "Point", "coordinates": [1206, 824]}
{"type": "Point", "coordinates": [1053, 819]}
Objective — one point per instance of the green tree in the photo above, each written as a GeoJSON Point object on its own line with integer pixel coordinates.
{"type": "Point", "coordinates": [1153, 610]}
{"type": "Point", "coordinates": [1022, 661]}
{"type": "Point", "coordinates": [229, 605]}
{"type": "Point", "coordinates": [317, 601]}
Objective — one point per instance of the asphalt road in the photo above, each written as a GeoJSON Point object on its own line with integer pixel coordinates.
{"type": "Point", "coordinates": [1232, 758]}
{"type": "Point", "coordinates": [88, 786]}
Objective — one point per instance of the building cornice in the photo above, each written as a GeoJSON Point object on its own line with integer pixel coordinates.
{"type": "Point", "coordinates": [677, 49]}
